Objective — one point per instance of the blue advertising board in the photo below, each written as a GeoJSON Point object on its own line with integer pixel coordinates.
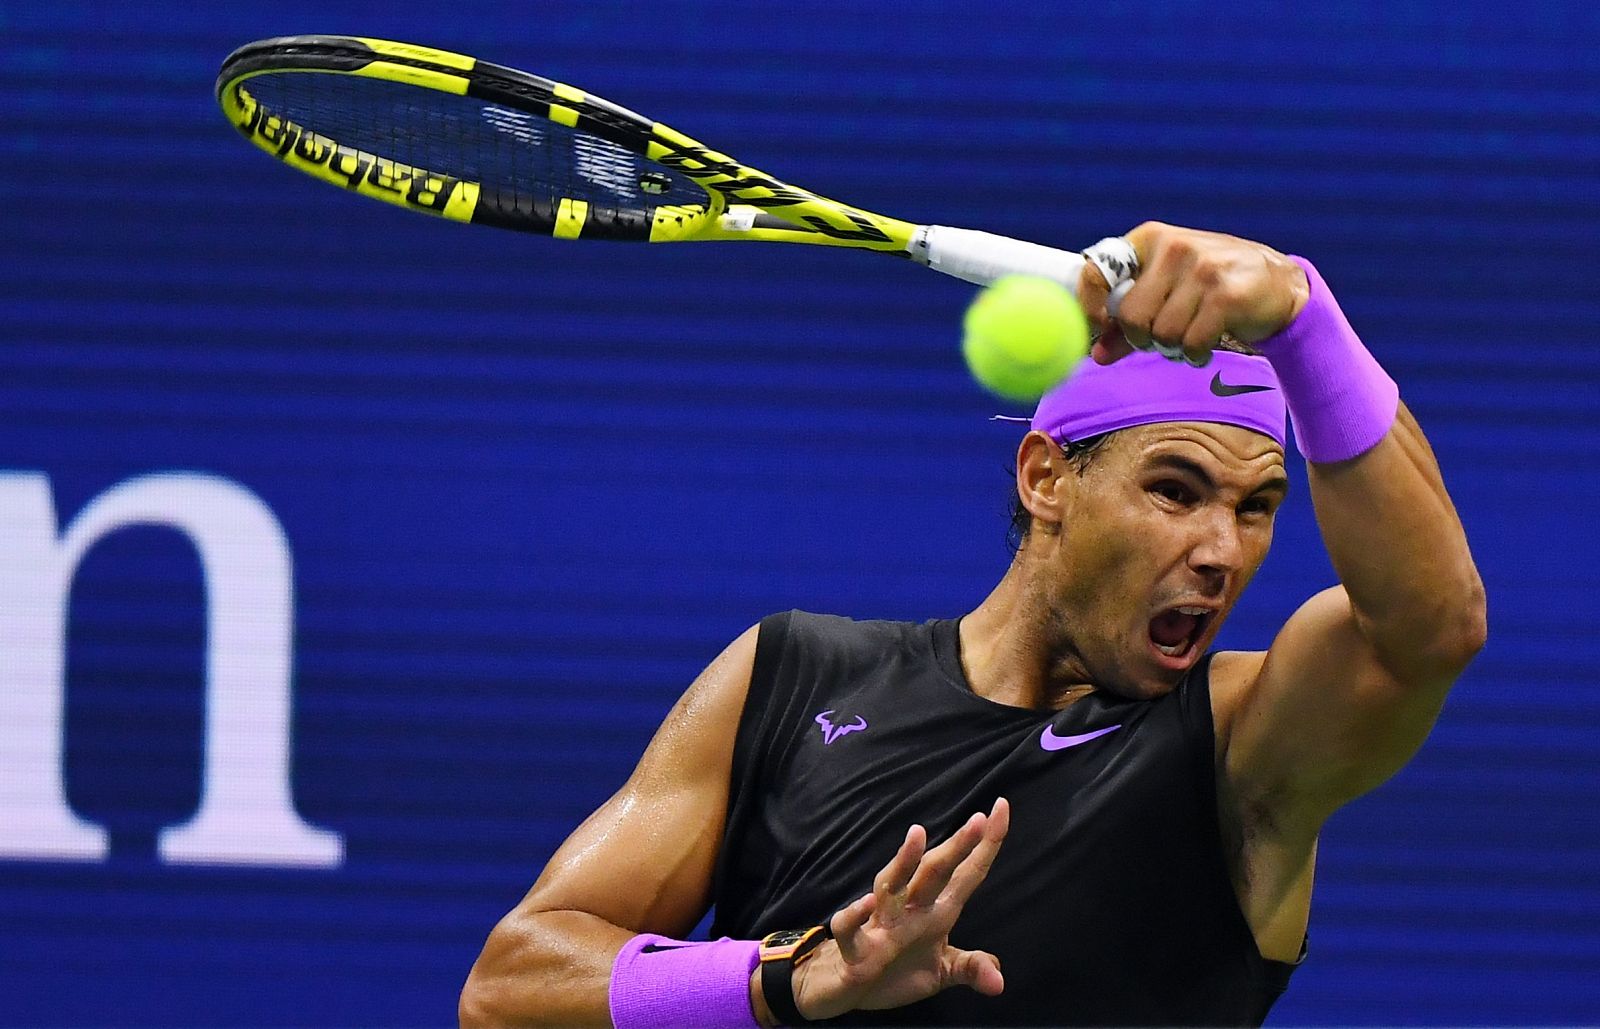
{"type": "Point", "coordinates": [348, 559]}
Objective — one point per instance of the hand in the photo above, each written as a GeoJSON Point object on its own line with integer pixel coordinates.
{"type": "Point", "coordinates": [1193, 287]}
{"type": "Point", "coordinates": [892, 947]}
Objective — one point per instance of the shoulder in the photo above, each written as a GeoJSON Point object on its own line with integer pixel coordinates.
{"type": "Point", "coordinates": [835, 637]}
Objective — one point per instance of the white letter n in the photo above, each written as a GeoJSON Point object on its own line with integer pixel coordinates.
{"type": "Point", "coordinates": [246, 813]}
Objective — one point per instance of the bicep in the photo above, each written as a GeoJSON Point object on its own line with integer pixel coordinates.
{"type": "Point", "coordinates": [1317, 720]}
{"type": "Point", "coordinates": [644, 860]}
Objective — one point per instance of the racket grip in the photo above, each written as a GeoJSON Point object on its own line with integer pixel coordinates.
{"type": "Point", "coordinates": [983, 257]}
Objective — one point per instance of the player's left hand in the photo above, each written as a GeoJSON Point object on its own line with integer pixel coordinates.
{"type": "Point", "coordinates": [892, 946]}
{"type": "Point", "coordinates": [1194, 287]}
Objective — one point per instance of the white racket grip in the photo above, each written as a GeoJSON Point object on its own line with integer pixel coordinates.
{"type": "Point", "coordinates": [983, 257]}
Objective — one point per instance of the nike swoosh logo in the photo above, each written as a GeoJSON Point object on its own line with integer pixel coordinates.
{"type": "Point", "coordinates": [1222, 389]}
{"type": "Point", "coordinates": [651, 948]}
{"type": "Point", "coordinates": [1050, 741]}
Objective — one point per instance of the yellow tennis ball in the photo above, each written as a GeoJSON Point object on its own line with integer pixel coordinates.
{"type": "Point", "coordinates": [1022, 336]}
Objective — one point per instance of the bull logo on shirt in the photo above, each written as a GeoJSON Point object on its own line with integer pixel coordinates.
{"type": "Point", "coordinates": [832, 731]}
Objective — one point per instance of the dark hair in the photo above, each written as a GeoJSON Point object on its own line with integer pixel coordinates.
{"type": "Point", "coordinates": [1080, 452]}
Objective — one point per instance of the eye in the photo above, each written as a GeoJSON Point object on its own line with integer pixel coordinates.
{"type": "Point", "coordinates": [1173, 492]}
{"type": "Point", "coordinates": [1256, 506]}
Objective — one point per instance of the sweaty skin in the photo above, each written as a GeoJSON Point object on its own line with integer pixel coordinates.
{"type": "Point", "coordinates": [1173, 514]}
{"type": "Point", "coordinates": [1176, 514]}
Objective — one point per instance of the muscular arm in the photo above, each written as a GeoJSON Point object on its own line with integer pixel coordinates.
{"type": "Point", "coordinates": [642, 863]}
{"type": "Point", "coordinates": [1356, 678]}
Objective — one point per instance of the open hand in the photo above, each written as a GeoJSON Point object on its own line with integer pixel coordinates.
{"type": "Point", "coordinates": [1194, 287]}
{"type": "Point", "coordinates": [892, 947]}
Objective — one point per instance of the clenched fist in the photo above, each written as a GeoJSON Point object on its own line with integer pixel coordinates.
{"type": "Point", "coordinates": [1193, 288]}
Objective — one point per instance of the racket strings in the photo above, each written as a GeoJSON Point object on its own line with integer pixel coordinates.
{"type": "Point", "coordinates": [516, 153]}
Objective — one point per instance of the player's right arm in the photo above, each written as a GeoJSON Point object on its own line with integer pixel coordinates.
{"type": "Point", "coordinates": [641, 863]}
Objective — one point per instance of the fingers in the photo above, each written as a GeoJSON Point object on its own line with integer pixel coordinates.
{"type": "Point", "coordinates": [1162, 253]}
{"type": "Point", "coordinates": [847, 923]}
{"type": "Point", "coordinates": [898, 872]}
{"type": "Point", "coordinates": [975, 968]}
{"type": "Point", "coordinates": [974, 868]}
{"type": "Point", "coordinates": [894, 941]}
{"type": "Point", "coordinates": [918, 878]}
{"type": "Point", "coordinates": [1178, 311]}
{"type": "Point", "coordinates": [1207, 327]}
{"type": "Point", "coordinates": [1176, 322]}
{"type": "Point", "coordinates": [940, 863]}
{"type": "Point", "coordinates": [1142, 237]}
{"type": "Point", "coordinates": [1092, 293]}
{"type": "Point", "coordinates": [1138, 309]}
{"type": "Point", "coordinates": [1163, 281]}
{"type": "Point", "coordinates": [1110, 347]}
{"type": "Point", "coordinates": [1246, 290]}
{"type": "Point", "coordinates": [965, 856]}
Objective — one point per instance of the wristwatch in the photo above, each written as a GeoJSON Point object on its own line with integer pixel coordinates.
{"type": "Point", "coordinates": [781, 953]}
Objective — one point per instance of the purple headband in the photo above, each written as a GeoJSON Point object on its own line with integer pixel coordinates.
{"type": "Point", "coordinates": [1142, 388]}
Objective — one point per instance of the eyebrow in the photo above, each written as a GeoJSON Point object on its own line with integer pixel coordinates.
{"type": "Point", "coordinates": [1188, 467]}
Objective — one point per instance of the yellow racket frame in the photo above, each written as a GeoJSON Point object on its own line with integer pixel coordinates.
{"type": "Point", "coordinates": [744, 203]}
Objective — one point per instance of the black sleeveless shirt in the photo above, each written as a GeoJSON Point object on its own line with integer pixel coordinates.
{"type": "Point", "coordinates": [1110, 901]}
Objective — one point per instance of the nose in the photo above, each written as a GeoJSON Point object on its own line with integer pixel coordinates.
{"type": "Point", "coordinates": [1218, 550]}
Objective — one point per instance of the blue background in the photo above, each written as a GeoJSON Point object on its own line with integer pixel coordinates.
{"type": "Point", "coordinates": [532, 487]}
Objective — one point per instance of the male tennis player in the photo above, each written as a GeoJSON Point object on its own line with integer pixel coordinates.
{"type": "Point", "coordinates": [1061, 809]}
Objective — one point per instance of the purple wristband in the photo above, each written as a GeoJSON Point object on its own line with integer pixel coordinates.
{"type": "Point", "coordinates": [1341, 402]}
{"type": "Point", "coordinates": [683, 985]}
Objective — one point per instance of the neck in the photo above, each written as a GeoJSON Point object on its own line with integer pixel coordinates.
{"type": "Point", "coordinates": [1012, 650]}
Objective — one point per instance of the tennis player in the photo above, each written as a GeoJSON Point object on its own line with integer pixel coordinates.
{"type": "Point", "coordinates": [1062, 808]}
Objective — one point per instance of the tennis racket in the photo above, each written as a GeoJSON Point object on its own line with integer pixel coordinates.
{"type": "Point", "coordinates": [449, 135]}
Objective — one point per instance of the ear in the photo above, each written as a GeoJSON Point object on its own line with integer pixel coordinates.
{"type": "Point", "coordinates": [1041, 468]}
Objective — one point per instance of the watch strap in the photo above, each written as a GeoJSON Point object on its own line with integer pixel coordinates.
{"type": "Point", "coordinates": [781, 953]}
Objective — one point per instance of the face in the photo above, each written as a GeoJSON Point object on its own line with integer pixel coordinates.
{"type": "Point", "coordinates": [1152, 546]}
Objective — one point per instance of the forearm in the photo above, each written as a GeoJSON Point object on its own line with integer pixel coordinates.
{"type": "Point", "coordinates": [550, 968]}
{"type": "Point", "coordinates": [1402, 555]}
{"type": "Point", "coordinates": [1386, 518]}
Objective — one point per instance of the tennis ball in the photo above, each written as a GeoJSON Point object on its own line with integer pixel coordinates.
{"type": "Point", "coordinates": [1022, 336]}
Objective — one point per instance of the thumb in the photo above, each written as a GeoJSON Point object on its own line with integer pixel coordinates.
{"type": "Point", "coordinates": [975, 968]}
{"type": "Point", "coordinates": [1109, 343]}
{"type": "Point", "coordinates": [1111, 347]}
{"type": "Point", "coordinates": [1092, 291]}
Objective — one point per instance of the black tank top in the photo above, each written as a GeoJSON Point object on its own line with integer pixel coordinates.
{"type": "Point", "coordinates": [1110, 901]}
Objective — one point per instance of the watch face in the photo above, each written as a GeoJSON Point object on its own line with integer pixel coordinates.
{"type": "Point", "coordinates": [793, 944]}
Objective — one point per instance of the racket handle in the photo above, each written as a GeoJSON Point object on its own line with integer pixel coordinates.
{"type": "Point", "coordinates": [983, 257]}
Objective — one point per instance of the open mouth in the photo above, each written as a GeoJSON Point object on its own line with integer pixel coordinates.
{"type": "Point", "coordinates": [1175, 631]}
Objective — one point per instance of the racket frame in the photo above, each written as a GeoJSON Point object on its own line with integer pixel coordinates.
{"type": "Point", "coordinates": [742, 203]}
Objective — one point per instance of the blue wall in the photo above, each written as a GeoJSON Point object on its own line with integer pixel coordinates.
{"type": "Point", "coordinates": [529, 488]}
